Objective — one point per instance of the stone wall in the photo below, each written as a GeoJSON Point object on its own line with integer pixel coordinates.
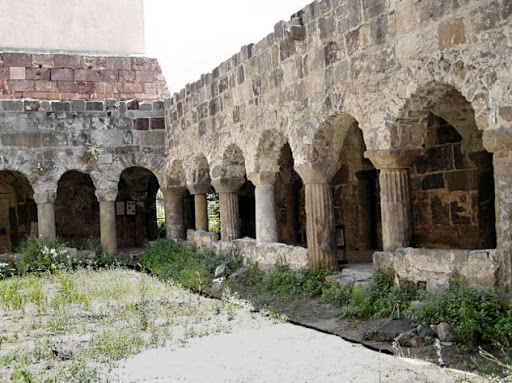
{"type": "Point", "coordinates": [68, 77]}
{"type": "Point", "coordinates": [45, 139]}
{"type": "Point", "coordinates": [434, 267]}
{"type": "Point", "coordinates": [265, 255]}
{"type": "Point", "coordinates": [453, 191]}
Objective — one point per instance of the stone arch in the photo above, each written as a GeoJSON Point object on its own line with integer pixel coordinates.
{"type": "Point", "coordinates": [18, 211]}
{"type": "Point", "coordinates": [76, 202]}
{"type": "Point", "coordinates": [327, 142]}
{"type": "Point", "coordinates": [136, 206]}
{"type": "Point", "coordinates": [452, 183]}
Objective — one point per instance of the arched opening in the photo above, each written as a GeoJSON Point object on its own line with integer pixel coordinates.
{"type": "Point", "coordinates": [76, 202]}
{"type": "Point", "coordinates": [247, 206]}
{"type": "Point", "coordinates": [136, 207]}
{"type": "Point", "coordinates": [356, 199]}
{"type": "Point", "coordinates": [290, 201]}
{"type": "Point", "coordinates": [18, 211]}
{"type": "Point", "coordinates": [452, 184]}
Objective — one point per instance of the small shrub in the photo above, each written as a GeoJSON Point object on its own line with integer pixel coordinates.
{"type": "Point", "coordinates": [184, 264]}
{"type": "Point", "coordinates": [40, 256]}
{"type": "Point", "coordinates": [476, 316]}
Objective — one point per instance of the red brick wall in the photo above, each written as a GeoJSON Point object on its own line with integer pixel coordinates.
{"type": "Point", "coordinates": [67, 77]}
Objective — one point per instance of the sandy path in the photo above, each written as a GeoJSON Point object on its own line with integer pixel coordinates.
{"type": "Point", "coordinates": [277, 353]}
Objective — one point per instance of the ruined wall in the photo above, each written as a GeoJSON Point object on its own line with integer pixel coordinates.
{"type": "Point", "coordinates": [337, 61]}
{"type": "Point", "coordinates": [73, 76]}
{"type": "Point", "coordinates": [45, 139]}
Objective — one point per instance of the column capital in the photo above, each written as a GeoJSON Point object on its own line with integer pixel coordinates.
{"type": "Point", "coordinates": [262, 178]}
{"type": "Point", "coordinates": [228, 185]}
{"type": "Point", "coordinates": [174, 190]}
{"type": "Point", "coordinates": [497, 140]}
{"type": "Point", "coordinates": [393, 158]}
{"type": "Point", "coordinates": [45, 197]}
{"type": "Point", "coordinates": [199, 188]}
{"type": "Point", "coordinates": [106, 195]}
{"type": "Point", "coordinates": [315, 172]}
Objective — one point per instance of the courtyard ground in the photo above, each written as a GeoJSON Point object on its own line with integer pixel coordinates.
{"type": "Point", "coordinates": [81, 326]}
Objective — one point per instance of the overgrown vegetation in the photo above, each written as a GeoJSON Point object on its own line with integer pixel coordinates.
{"type": "Point", "coordinates": [183, 264]}
{"type": "Point", "coordinates": [476, 316]}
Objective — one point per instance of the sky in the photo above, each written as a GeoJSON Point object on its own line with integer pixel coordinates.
{"type": "Point", "coordinates": [192, 37]}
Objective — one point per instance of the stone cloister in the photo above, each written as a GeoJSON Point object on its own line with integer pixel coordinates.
{"type": "Point", "coordinates": [358, 130]}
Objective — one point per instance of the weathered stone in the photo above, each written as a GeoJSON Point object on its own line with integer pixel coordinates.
{"type": "Point", "coordinates": [444, 332]}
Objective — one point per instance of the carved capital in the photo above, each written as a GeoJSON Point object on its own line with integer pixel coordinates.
{"type": "Point", "coordinates": [104, 195]}
{"type": "Point", "coordinates": [199, 188]}
{"type": "Point", "coordinates": [315, 172]}
{"type": "Point", "coordinates": [262, 178]}
{"type": "Point", "coordinates": [393, 158]}
{"type": "Point", "coordinates": [45, 197]}
{"type": "Point", "coordinates": [228, 185]}
{"type": "Point", "coordinates": [176, 191]}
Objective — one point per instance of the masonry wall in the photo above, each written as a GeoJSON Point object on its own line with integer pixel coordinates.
{"type": "Point", "coordinates": [73, 76]}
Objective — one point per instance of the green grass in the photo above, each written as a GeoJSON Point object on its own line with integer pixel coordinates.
{"type": "Point", "coordinates": [103, 315]}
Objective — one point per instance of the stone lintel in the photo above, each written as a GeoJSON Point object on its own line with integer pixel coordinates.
{"type": "Point", "coordinates": [228, 185]}
{"type": "Point", "coordinates": [262, 178]}
{"type": "Point", "coordinates": [393, 158]}
{"type": "Point", "coordinates": [106, 195]}
{"type": "Point", "coordinates": [496, 140]}
{"type": "Point", "coordinates": [199, 188]}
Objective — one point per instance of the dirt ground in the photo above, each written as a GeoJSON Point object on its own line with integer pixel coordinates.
{"type": "Point", "coordinates": [260, 350]}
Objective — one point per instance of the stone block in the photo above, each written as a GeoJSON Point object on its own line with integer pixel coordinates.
{"type": "Point", "coordinates": [433, 181]}
{"type": "Point", "coordinates": [132, 87]}
{"type": "Point", "coordinates": [31, 106]}
{"type": "Point", "coordinates": [21, 85]}
{"type": "Point", "coordinates": [326, 26]}
{"type": "Point", "coordinates": [45, 86]}
{"type": "Point", "coordinates": [435, 159]}
{"type": "Point", "coordinates": [61, 74]}
{"type": "Point", "coordinates": [287, 49]}
{"type": "Point", "coordinates": [145, 63]}
{"type": "Point", "coordinates": [440, 212]}
{"type": "Point", "coordinates": [61, 106]}
{"type": "Point", "coordinates": [94, 106]}
{"type": "Point", "coordinates": [28, 140]}
{"type": "Point", "coordinates": [127, 75]}
{"type": "Point", "coordinates": [78, 105]}
{"type": "Point", "coordinates": [17, 73]}
{"type": "Point", "coordinates": [116, 63]}
{"type": "Point", "coordinates": [451, 33]}
{"type": "Point", "coordinates": [142, 123]}
{"type": "Point", "coordinates": [93, 62]}
{"type": "Point", "coordinates": [38, 74]}
{"type": "Point", "coordinates": [157, 123]}
{"type": "Point", "coordinates": [67, 61]}
{"type": "Point", "coordinates": [158, 105]}
{"type": "Point", "coordinates": [43, 61]}
{"type": "Point", "coordinates": [53, 139]}
{"type": "Point", "coordinates": [150, 138]}
{"type": "Point", "coordinates": [331, 53]}
{"type": "Point", "coordinates": [145, 76]}
{"type": "Point", "coordinates": [12, 105]}
{"type": "Point", "coordinates": [86, 75]}
{"type": "Point", "coordinates": [145, 106]}
{"type": "Point", "coordinates": [132, 105]}
{"type": "Point", "coordinates": [372, 8]}
{"type": "Point", "coordinates": [462, 180]}
{"type": "Point", "coordinates": [485, 17]}
{"type": "Point", "coordinates": [17, 60]}
{"type": "Point", "coordinates": [108, 75]}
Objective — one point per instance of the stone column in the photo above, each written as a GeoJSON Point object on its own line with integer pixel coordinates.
{"type": "Point", "coordinates": [46, 215]}
{"type": "Point", "coordinates": [108, 228]}
{"type": "Point", "coordinates": [266, 220]}
{"type": "Point", "coordinates": [319, 216]}
{"type": "Point", "coordinates": [499, 142]}
{"type": "Point", "coordinates": [200, 205]}
{"type": "Point", "coordinates": [228, 199]}
{"type": "Point", "coordinates": [173, 205]}
{"type": "Point", "coordinates": [395, 195]}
